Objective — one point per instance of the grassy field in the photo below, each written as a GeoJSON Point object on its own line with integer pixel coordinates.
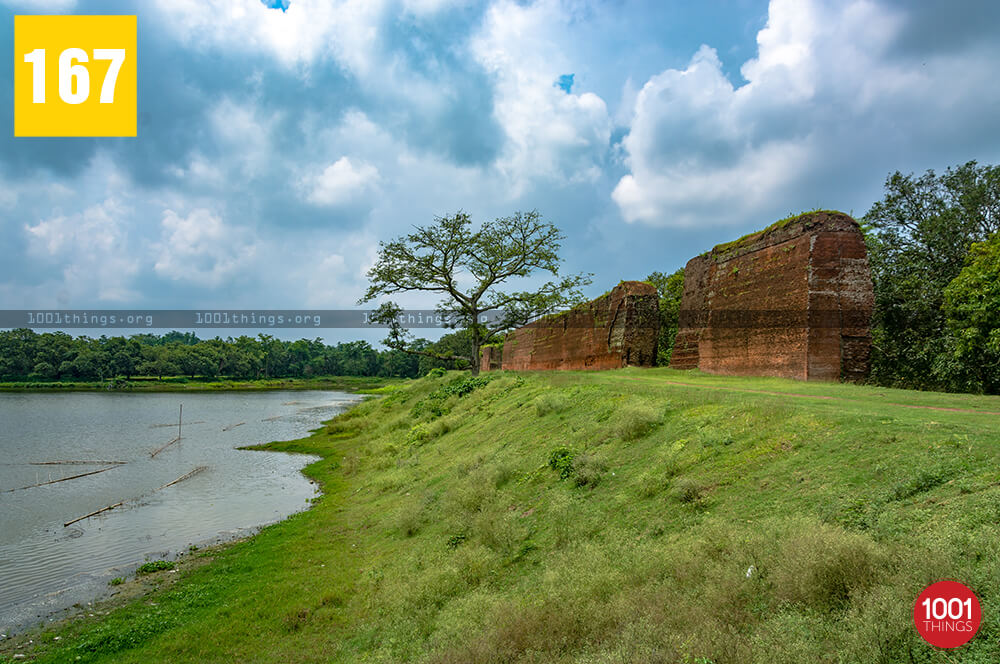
{"type": "Point", "coordinates": [181, 384]}
{"type": "Point", "coordinates": [622, 516]}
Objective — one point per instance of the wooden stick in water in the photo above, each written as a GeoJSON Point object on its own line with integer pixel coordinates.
{"type": "Point", "coordinates": [77, 463]}
{"type": "Point", "coordinates": [183, 477]}
{"type": "Point", "coordinates": [94, 513]}
{"type": "Point", "coordinates": [63, 479]}
{"type": "Point", "coordinates": [233, 426]}
{"type": "Point", "coordinates": [163, 447]}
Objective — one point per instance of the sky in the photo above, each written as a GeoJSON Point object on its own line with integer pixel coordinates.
{"type": "Point", "coordinates": [280, 140]}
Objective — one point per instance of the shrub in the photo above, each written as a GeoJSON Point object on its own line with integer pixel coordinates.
{"type": "Point", "coordinates": [550, 402]}
{"type": "Point", "coordinates": [822, 567]}
{"type": "Point", "coordinates": [688, 490]}
{"type": "Point", "coordinates": [588, 470]}
{"type": "Point", "coordinates": [410, 519]}
{"type": "Point", "coordinates": [561, 461]}
{"type": "Point", "coordinates": [651, 483]}
{"type": "Point", "coordinates": [924, 481]}
{"type": "Point", "coordinates": [436, 372]}
{"type": "Point", "coordinates": [637, 421]}
{"type": "Point", "coordinates": [503, 474]}
{"type": "Point", "coordinates": [154, 566]}
{"type": "Point", "coordinates": [419, 434]}
{"type": "Point", "coordinates": [436, 403]}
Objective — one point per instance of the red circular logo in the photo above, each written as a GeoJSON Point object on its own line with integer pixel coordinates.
{"type": "Point", "coordinates": [947, 614]}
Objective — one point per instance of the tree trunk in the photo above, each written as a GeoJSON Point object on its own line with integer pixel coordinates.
{"type": "Point", "coordinates": [476, 343]}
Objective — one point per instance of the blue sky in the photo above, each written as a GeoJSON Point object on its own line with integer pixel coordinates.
{"type": "Point", "coordinates": [277, 146]}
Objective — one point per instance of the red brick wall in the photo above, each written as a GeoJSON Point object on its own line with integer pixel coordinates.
{"type": "Point", "coordinates": [793, 301]}
{"type": "Point", "coordinates": [489, 359]}
{"type": "Point", "coordinates": [617, 329]}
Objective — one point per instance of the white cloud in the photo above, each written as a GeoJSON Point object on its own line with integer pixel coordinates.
{"type": "Point", "coordinates": [340, 182]}
{"type": "Point", "coordinates": [309, 30]}
{"type": "Point", "coordinates": [93, 249]}
{"type": "Point", "coordinates": [550, 134]}
{"type": "Point", "coordinates": [701, 150]}
{"type": "Point", "coordinates": [41, 6]}
{"type": "Point", "coordinates": [424, 7]}
{"type": "Point", "coordinates": [201, 249]}
{"type": "Point", "coordinates": [245, 135]}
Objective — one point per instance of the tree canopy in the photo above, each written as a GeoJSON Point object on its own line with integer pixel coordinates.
{"type": "Point", "coordinates": [670, 288]}
{"type": "Point", "coordinates": [27, 355]}
{"type": "Point", "coordinates": [469, 268]}
{"type": "Point", "coordinates": [919, 236]}
{"type": "Point", "coordinates": [972, 306]}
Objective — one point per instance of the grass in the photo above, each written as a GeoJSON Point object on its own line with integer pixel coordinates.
{"type": "Point", "coordinates": [727, 249]}
{"type": "Point", "coordinates": [628, 516]}
{"type": "Point", "coordinates": [183, 384]}
{"type": "Point", "coordinates": [154, 566]}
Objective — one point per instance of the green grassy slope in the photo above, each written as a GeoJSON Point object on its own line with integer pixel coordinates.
{"type": "Point", "coordinates": [623, 516]}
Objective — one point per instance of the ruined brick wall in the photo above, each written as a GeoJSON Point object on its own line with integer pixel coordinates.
{"type": "Point", "coordinates": [617, 329]}
{"type": "Point", "coordinates": [489, 358]}
{"type": "Point", "coordinates": [794, 300]}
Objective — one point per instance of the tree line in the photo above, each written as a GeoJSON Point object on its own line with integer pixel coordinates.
{"type": "Point", "coordinates": [933, 246]}
{"type": "Point", "coordinates": [29, 356]}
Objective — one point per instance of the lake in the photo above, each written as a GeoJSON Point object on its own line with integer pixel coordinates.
{"type": "Point", "coordinates": [46, 566]}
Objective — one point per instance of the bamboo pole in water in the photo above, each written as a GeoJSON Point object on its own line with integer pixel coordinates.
{"type": "Point", "coordinates": [182, 477]}
{"type": "Point", "coordinates": [63, 479]}
{"type": "Point", "coordinates": [94, 513]}
{"type": "Point", "coordinates": [163, 447]}
{"type": "Point", "coordinates": [180, 417]}
{"type": "Point", "coordinates": [77, 463]}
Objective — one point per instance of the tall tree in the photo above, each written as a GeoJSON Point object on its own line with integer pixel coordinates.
{"type": "Point", "coordinates": [918, 237]}
{"type": "Point", "coordinates": [972, 305]}
{"type": "Point", "coordinates": [670, 288]}
{"type": "Point", "coordinates": [469, 268]}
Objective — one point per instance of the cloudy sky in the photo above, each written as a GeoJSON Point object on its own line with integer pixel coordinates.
{"type": "Point", "coordinates": [280, 140]}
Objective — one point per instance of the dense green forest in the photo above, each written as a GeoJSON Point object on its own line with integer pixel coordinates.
{"type": "Point", "coordinates": [27, 355]}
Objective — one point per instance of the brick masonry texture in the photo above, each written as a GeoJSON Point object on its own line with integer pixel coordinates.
{"type": "Point", "coordinates": [618, 329]}
{"type": "Point", "coordinates": [794, 300]}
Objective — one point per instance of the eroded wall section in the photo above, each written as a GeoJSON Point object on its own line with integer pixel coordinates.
{"type": "Point", "coordinates": [617, 329]}
{"type": "Point", "coordinates": [794, 300]}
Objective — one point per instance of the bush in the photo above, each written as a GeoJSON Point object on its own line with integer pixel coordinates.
{"type": "Point", "coordinates": [550, 402]}
{"type": "Point", "coordinates": [588, 470]}
{"type": "Point", "coordinates": [822, 567]}
{"type": "Point", "coordinates": [154, 566]}
{"type": "Point", "coordinates": [410, 520]}
{"type": "Point", "coordinates": [436, 403]}
{"type": "Point", "coordinates": [419, 434]}
{"type": "Point", "coordinates": [651, 483]}
{"type": "Point", "coordinates": [688, 490]}
{"type": "Point", "coordinates": [924, 481]}
{"type": "Point", "coordinates": [561, 461]}
{"type": "Point", "coordinates": [637, 421]}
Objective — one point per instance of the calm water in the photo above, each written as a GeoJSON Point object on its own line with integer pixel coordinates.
{"type": "Point", "coordinates": [45, 566]}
